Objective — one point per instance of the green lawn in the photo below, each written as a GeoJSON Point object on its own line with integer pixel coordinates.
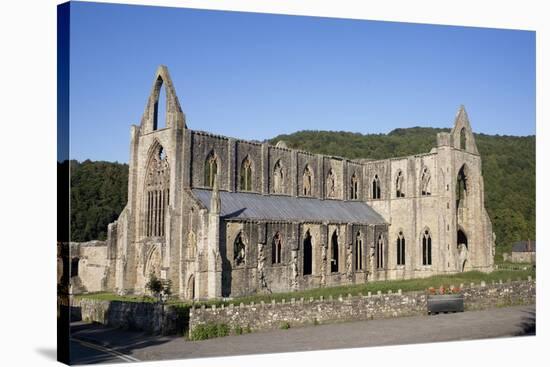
{"type": "Point", "coordinates": [373, 287]}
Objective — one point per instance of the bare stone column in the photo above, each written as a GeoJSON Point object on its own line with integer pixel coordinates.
{"type": "Point", "coordinates": [213, 253]}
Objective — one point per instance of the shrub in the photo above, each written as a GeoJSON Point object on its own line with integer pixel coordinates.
{"type": "Point", "coordinates": [238, 330]}
{"type": "Point", "coordinates": [222, 330]}
{"type": "Point", "coordinates": [247, 329]}
{"type": "Point", "coordinates": [161, 289]}
{"type": "Point", "coordinates": [284, 326]}
{"type": "Point", "coordinates": [209, 331]}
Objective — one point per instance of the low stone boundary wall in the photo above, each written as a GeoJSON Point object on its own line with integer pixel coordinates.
{"type": "Point", "coordinates": [150, 317]}
{"type": "Point", "coordinates": [301, 312]}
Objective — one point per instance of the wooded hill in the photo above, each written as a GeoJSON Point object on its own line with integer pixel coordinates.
{"type": "Point", "coordinates": [99, 189]}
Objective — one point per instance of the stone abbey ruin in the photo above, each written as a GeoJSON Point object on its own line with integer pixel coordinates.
{"type": "Point", "coordinates": [223, 217]}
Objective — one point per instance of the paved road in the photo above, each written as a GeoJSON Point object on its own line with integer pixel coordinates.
{"type": "Point", "coordinates": [501, 322]}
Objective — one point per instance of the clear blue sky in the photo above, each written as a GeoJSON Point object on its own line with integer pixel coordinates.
{"type": "Point", "coordinates": [255, 76]}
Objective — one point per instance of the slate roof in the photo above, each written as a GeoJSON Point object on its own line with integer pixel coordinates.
{"type": "Point", "coordinates": [523, 246]}
{"type": "Point", "coordinates": [250, 206]}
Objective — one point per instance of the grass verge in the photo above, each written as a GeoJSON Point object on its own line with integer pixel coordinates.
{"type": "Point", "coordinates": [373, 287]}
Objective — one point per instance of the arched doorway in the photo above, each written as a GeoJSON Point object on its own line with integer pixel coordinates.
{"type": "Point", "coordinates": [462, 247]}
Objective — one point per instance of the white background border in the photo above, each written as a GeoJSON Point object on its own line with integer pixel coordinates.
{"type": "Point", "coordinates": [28, 179]}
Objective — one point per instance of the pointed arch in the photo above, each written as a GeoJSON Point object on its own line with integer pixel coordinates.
{"type": "Point", "coordinates": [191, 287]}
{"type": "Point", "coordinates": [334, 253]}
{"type": "Point", "coordinates": [331, 184]}
{"type": "Point", "coordinates": [160, 106]}
{"type": "Point", "coordinates": [461, 186]}
{"type": "Point", "coordinates": [400, 248]}
{"type": "Point", "coordinates": [425, 184]}
{"type": "Point", "coordinates": [278, 178]}
{"type": "Point", "coordinates": [358, 251]}
{"type": "Point", "coordinates": [308, 254]}
{"type": "Point", "coordinates": [376, 188]}
{"type": "Point", "coordinates": [239, 250]}
{"type": "Point", "coordinates": [153, 262]}
{"type": "Point", "coordinates": [276, 248]}
{"type": "Point", "coordinates": [354, 187]}
{"type": "Point", "coordinates": [380, 252]}
{"type": "Point", "coordinates": [307, 181]}
{"type": "Point", "coordinates": [246, 174]}
{"type": "Point", "coordinates": [156, 194]}
{"type": "Point", "coordinates": [399, 184]}
{"type": "Point", "coordinates": [426, 247]}
{"type": "Point", "coordinates": [163, 106]}
{"type": "Point", "coordinates": [210, 169]}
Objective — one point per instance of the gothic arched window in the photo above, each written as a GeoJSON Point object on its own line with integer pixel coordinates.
{"type": "Point", "coordinates": [307, 181]}
{"type": "Point", "coordinates": [400, 249]}
{"type": "Point", "coordinates": [210, 169]}
{"type": "Point", "coordinates": [308, 254]}
{"type": "Point", "coordinates": [354, 189]}
{"type": "Point", "coordinates": [399, 185]}
{"type": "Point", "coordinates": [358, 252]}
{"type": "Point", "coordinates": [376, 187]}
{"type": "Point", "coordinates": [426, 248]}
{"type": "Point", "coordinates": [334, 253]}
{"type": "Point", "coordinates": [461, 186]}
{"type": "Point", "coordinates": [425, 182]}
{"type": "Point", "coordinates": [239, 250]}
{"type": "Point", "coordinates": [246, 175]}
{"type": "Point", "coordinates": [380, 252]}
{"type": "Point", "coordinates": [331, 184]}
{"type": "Point", "coordinates": [462, 141]}
{"type": "Point", "coordinates": [276, 249]}
{"type": "Point", "coordinates": [157, 193]}
{"type": "Point", "coordinates": [278, 178]}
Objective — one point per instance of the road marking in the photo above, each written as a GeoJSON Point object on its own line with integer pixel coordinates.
{"type": "Point", "coordinates": [124, 357]}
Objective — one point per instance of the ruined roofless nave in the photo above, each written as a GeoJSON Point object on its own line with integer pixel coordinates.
{"type": "Point", "coordinates": [224, 217]}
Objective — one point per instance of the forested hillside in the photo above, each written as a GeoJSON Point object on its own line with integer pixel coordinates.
{"type": "Point", "coordinates": [508, 168]}
{"type": "Point", "coordinates": [99, 189]}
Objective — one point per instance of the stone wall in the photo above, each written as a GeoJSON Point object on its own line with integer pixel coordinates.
{"type": "Point", "coordinates": [364, 307]}
{"type": "Point", "coordinates": [520, 257]}
{"type": "Point", "coordinates": [92, 266]}
{"type": "Point", "coordinates": [145, 316]}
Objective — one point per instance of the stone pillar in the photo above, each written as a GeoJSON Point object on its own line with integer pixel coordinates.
{"type": "Point", "coordinates": [213, 240]}
{"type": "Point", "coordinates": [345, 180]}
{"type": "Point", "coordinates": [295, 246]}
{"type": "Point", "coordinates": [320, 178]}
{"type": "Point", "coordinates": [187, 155]}
{"type": "Point", "coordinates": [231, 153]}
{"type": "Point", "coordinates": [323, 239]}
{"type": "Point", "coordinates": [349, 252]}
{"type": "Point", "coordinates": [293, 173]}
{"type": "Point", "coordinates": [265, 169]}
{"type": "Point", "coordinates": [262, 283]}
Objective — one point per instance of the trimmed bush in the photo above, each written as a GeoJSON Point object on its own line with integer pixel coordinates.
{"type": "Point", "coordinates": [209, 331]}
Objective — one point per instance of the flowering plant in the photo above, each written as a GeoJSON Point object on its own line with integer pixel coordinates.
{"type": "Point", "coordinates": [444, 290]}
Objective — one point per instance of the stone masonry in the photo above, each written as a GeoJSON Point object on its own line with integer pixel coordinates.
{"type": "Point", "coordinates": [223, 217]}
{"type": "Point", "coordinates": [366, 307]}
